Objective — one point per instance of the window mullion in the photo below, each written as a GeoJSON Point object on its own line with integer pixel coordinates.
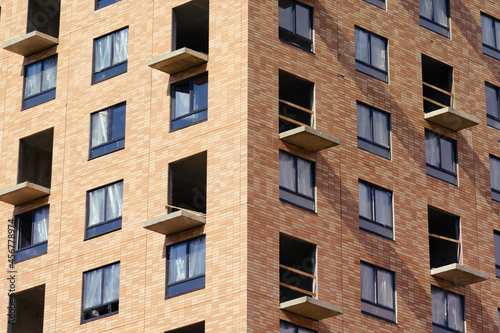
{"type": "Point", "coordinates": [375, 284]}
{"type": "Point", "coordinates": [372, 126]}
{"type": "Point", "coordinates": [374, 216]}
{"type": "Point", "coordinates": [110, 125]}
{"type": "Point", "coordinates": [106, 199]}
{"type": "Point", "coordinates": [293, 18]}
{"type": "Point", "coordinates": [296, 167]}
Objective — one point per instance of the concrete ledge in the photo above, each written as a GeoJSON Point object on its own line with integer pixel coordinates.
{"type": "Point", "coordinates": [459, 274]}
{"type": "Point", "coordinates": [178, 60]}
{"type": "Point", "coordinates": [22, 193]}
{"type": "Point", "coordinates": [311, 308]}
{"type": "Point", "coordinates": [309, 138]}
{"type": "Point", "coordinates": [451, 119]}
{"type": "Point", "coordinates": [30, 43]}
{"type": "Point", "coordinates": [175, 222]}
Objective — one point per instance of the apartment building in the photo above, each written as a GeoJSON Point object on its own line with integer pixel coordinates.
{"type": "Point", "coordinates": [309, 166]}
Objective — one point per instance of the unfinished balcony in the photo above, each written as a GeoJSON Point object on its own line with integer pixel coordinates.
{"type": "Point", "coordinates": [187, 207]}
{"type": "Point", "coordinates": [27, 309]}
{"type": "Point", "coordinates": [34, 169]}
{"type": "Point", "coordinates": [298, 281]}
{"type": "Point", "coordinates": [445, 250]}
{"type": "Point", "coordinates": [296, 117]}
{"type": "Point", "coordinates": [190, 39]}
{"type": "Point", "coordinates": [438, 98]}
{"type": "Point", "coordinates": [42, 29]}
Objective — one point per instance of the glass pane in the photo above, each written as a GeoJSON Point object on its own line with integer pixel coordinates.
{"type": "Point", "coordinates": [426, 9]}
{"type": "Point", "coordinates": [383, 207]}
{"type": "Point", "coordinates": [455, 312]}
{"type": "Point", "coordinates": [378, 52]}
{"type": "Point", "coordinates": [441, 12]}
{"type": "Point", "coordinates": [385, 288]}
{"type": "Point", "coordinates": [491, 101]}
{"type": "Point", "coordinates": [200, 91]}
{"type": "Point", "coordinates": [447, 155]}
{"type": "Point", "coordinates": [103, 53]}
{"type": "Point", "coordinates": [40, 225]}
{"type": "Point", "coordinates": [182, 99]}
{"type": "Point", "coordinates": [285, 14]}
{"type": "Point", "coordinates": [302, 21]}
{"type": "Point", "coordinates": [495, 173]}
{"type": "Point", "coordinates": [96, 206]}
{"type": "Point", "coordinates": [49, 73]}
{"type": "Point", "coordinates": [381, 128]}
{"type": "Point", "coordinates": [120, 46]}
{"type": "Point", "coordinates": [497, 248]}
{"type": "Point", "coordinates": [118, 123]}
{"type": "Point", "coordinates": [197, 257]}
{"type": "Point", "coordinates": [92, 289]}
{"type": "Point", "coordinates": [111, 283]}
{"type": "Point", "coordinates": [32, 79]}
{"type": "Point", "coordinates": [288, 171]}
{"type": "Point", "coordinates": [487, 30]}
{"type": "Point", "coordinates": [99, 128]}
{"type": "Point", "coordinates": [115, 201]}
{"type": "Point", "coordinates": [362, 47]}
{"type": "Point", "coordinates": [305, 180]}
{"type": "Point", "coordinates": [497, 35]}
{"type": "Point", "coordinates": [431, 148]}
{"type": "Point", "coordinates": [364, 122]}
{"type": "Point", "coordinates": [438, 306]}
{"type": "Point", "coordinates": [365, 201]}
{"type": "Point", "coordinates": [177, 264]}
{"type": "Point", "coordinates": [367, 283]}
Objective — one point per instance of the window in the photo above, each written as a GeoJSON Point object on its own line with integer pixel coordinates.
{"type": "Point", "coordinates": [31, 233]}
{"type": "Point", "coordinates": [296, 24]}
{"type": "Point", "coordinates": [495, 178]}
{"type": "Point", "coordinates": [101, 288]}
{"type": "Point", "coordinates": [296, 97]}
{"type": "Point", "coordinates": [107, 130]}
{"type": "Point", "coordinates": [434, 15]}
{"type": "Point", "coordinates": [378, 292]}
{"type": "Point", "coordinates": [189, 102]}
{"type": "Point", "coordinates": [374, 131]}
{"type": "Point", "coordinates": [110, 55]}
{"type": "Point", "coordinates": [496, 236]}
{"type": "Point", "coordinates": [297, 183]}
{"type": "Point", "coordinates": [491, 36]}
{"type": "Point", "coordinates": [186, 267]}
{"type": "Point", "coordinates": [441, 157]}
{"type": "Point", "coordinates": [447, 311]}
{"type": "Point", "coordinates": [375, 210]}
{"type": "Point", "coordinates": [378, 3]}
{"type": "Point", "coordinates": [444, 238]}
{"type": "Point", "coordinates": [493, 105]}
{"type": "Point", "coordinates": [104, 209]}
{"type": "Point", "coordinates": [286, 327]}
{"type": "Point", "coordinates": [371, 54]}
{"type": "Point", "coordinates": [194, 328]}
{"type": "Point", "coordinates": [103, 3]}
{"type": "Point", "coordinates": [40, 82]}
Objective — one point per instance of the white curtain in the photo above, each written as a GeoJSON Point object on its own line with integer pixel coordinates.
{"type": "Point", "coordinates": [32, 80]}
{"type": "Point", "coordinates": [99, 128]}
{"type": "Point", "coordinates": [446, 148]}
{"type": "Point", "coordinates": [381, 128]}
{"type": "Point", "coordinates": [438, 306]}
{"type": "Point", "coordinates": [487, 31]}
{"type": "Point", "coordinates": [286, 327]}
{"type": "Point", "coordinates": [378, 52]}
{"type": "Point", "coordinates": [426, 9]}
{"type": "Point", "coordinates": [455, 312]}
{"type": "Point", "coordinates": [177, 263]}
{"type": "Point", "coordinates": [495, 173]}
{"type": "Point", "coordinates": [440, 15]}
{"type": "Point", "coordinates": [103, 53]}
{"type": "Point", "coordinates": [383, 209]}
{"type": "Point", "coordinates": [431, 148]}
{"type": "Point", "coordinates": [115, 201]}
{"type": "Point", "coordinates": [364, 124]}
{"type": "Point", "coordinates": [200, 90]}
{"type": "Point", "coordinates": [197, 257]}
{"type": "Point", "coordinates": [40, 225]}
{"type": "Point", "coordinates": [96, 206]}
{"type": "Point", "coordinates": [365, 201]}
{"type": "Point", "coordinates": [305, 177]}
{"type": "Point", "coordinates": [491, 101]}
{"type": "Point", "coordinates": [497, 34]}
{"type": "Point", "coordinates": [182, 98]}
{"type": "Point", "coordinates": [285, 14]}
{"type": "Point", "coordinates": [362, 50]}
{"type": "Point", "coordinates": [385, 288]}
{"type": "Point", "coordinates": [302, 24]}
{"type": "Point", "coordinates": [49, 73]}
{"type": "Point", "coordinates": [92, 290]}
{"type": "Point", "coordinates": [120, 46]}
{"type": "Point", "coordinates": [367, 283]}
{"type": "Point", "coordinates": [111, 283]}
{"type": "Point", "coordinates": [287, 171]}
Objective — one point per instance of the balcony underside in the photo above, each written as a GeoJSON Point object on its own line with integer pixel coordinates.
{"type": "Point", "coordinates": [178, 60]}
{"type": "Point", "coordinates": [175, 222]}
{"type": "Point", "coordinates": [452, 119]}
{"type": "Point", "coordinates": [311, 308]}
{"type": "Point", "coordinates": [30, 43]}
{"type": "Point", "coordinates": [309, 138]}
{"type": "Point", "coordinates": [459, 274]}
{"type": "Point", "coordinates": [22, 193]}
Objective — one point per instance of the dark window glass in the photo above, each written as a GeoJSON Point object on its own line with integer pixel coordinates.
{"type": "Point", "coordinates": [374, 131]}
{"type": "Point", "coordinates": [103, 3]}
{"type": "Point", "coordinates": [378, 3]}
{"type": "Point", "coordinates": [189, 101]}
{"type": "Point", "coordinates": [434, 15]}
{"type": "Point", "coordinates": [186, 267]}
{"type": "Point", "coordinates": [32, 233]}
{"type": "Point", "coordinates": [490, 28]}
{"type": "Point", "coordinates": [296, 23]}
{"type": "Point", "coordinates": [371, 54]}
{"type": "Point", "coordinates": [493, 105]}
{"type": "Point", "coordinates": [110, 55]}
{"type": "Point", "coordinates": [297, 183]}
{"type": "Point", "coordinates": [104, 209]}
{"type": "Point", "coordinates": [447, 311]}
{"type": "Point", "coordinates": [286, 327]}
{"type": "Point", "coordinates": [101, 289]}
{"type": "Point", "coordinates": [107, 130]}
{"type": "Point", "coordinates": [375, 209]}
{"type": "Point", "coordinates": [495, 178]}
{"type": "Point", "coordinates": [378, 292]}
{"type": "Point", "coordinates": [441, 157]}
{"type": "Point", "coordinates": [496, 236]}
{"type": "Point", "coordinates": [40, 82]}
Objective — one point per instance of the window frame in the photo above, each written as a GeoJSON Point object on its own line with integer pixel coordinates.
{"type": "Point", "coordinates": [432, 24]}
{"type": "Point", "coordinates": [294, 197]}
{"type": "Point", "coordinates": [368, 68]}
{"type": "Point", "coordinates": [438, 172]}
{"type": "Point", "coordinates": [104, 3]}
{"type": "Point", "coordinates": [490, 50]}
{"type": "Point", "coordinates": [43, 96]}
{"type": "Point", "coordinates": [439, 328]}
{"type": "Point", "coordinates": [369, 144]}
{"type": "Point", "coordinates": [291, 36]}
{"type": "Point", "coordinates": [105, 226]}
{"type": "Point", "coordinates": [112, 144]}
{"type": "Point", "coordinates": [495, 192]}
{"type": "Point", "coordinates": [112, 70]}
{"type": "Point", "coordinates": [109, 304]}
{"type": "Point", "coordinates": [33, 249]}
{"type": "Point", "coordinates": [372, 225]}
{"type": "Point", "coordinates": [194, 283]}
{"type": "Point", "coordinates": [496, 243]}
{"type": "Point", "coordinates": [378, 3]}
{"type": "Point", "coordinates": [375, 308]}
{"type": "Point", "coordinates": [296, 327]}
{"type": "Point", "coordinates": [203, 117]}
{"type": "Point", "coordinates": [493, 120]}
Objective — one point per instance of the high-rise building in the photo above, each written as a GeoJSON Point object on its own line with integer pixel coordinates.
{"type": "Point", "coordinates": [250, 166]}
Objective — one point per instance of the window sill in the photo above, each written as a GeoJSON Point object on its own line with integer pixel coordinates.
{"type": "Point", "coordinates": [296, 40]}
{"type": "Point", "coordinates": [375, 228]}
{"type": "Point", "coordinates": [371, 71]}
{"type": "Point", "coordinates": [311, 308]}
{"type": "Point", "coordinates": [103, 228]}
{"type": "Point", "coordinates": [30, 43]}
{"type": "Point", "coordinates": [104, 3]}
{"type": "Point", "coordinates": [185, 287]}
{"type": "Point", "coordinates": [31, 252]}
{"type": "Point", "coordinates": [39, 99]}
{"type": "Point", "coordinates": [492, 122]}
{"type": "Point", "coordinates": [374, 149]}
{"type": "Point", "coordinates": [188, 120]}
{"type": "Point", "coordinates": [437, 28]}
{"type": "Point", "coordinates": [22, 193]}
{"type": "Point", "coordinates": [178, 60]}
{"type": "Point", "coordinates": [378, 312]}
{"type": "Point", "coordinates": [377, 3]}
{"type": "Point", "coordinates": [495, 196]}
{"type": "Point", "coordinates": [297, 200]}
{"type": "Point", "coordinates": [109, 73]}
{"type": "Point", "coordinates": [439, 329]}
{"type": "Point", "coordinates": [107, 149]}
{"type": "Point", "coordinates": [443, 175]}
{"type": "Point", "coordinates": [491, 52]}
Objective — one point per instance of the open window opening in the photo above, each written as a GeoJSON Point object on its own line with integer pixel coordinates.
{"type": "Point", "coordinates": [26, 311]}
{"type": "Point", "coordinates": [297, 268]}
{"type": "Point", "coordinates": [35, 158]}
{"type": "Point", "coordinates": [437, 83]}
{"type": "Point", "coordinates": [191, 26]}
{"type": "Point", "coordinates": [188, 183]}
{"type": "Point", "coordinates": [43, 16]}
{"type": "Point", "coordinates": [296, 96]}
{"type": "Point", "coordinates": [444, 238]}
{"type": "Point", "coordinates": [193, 328]}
